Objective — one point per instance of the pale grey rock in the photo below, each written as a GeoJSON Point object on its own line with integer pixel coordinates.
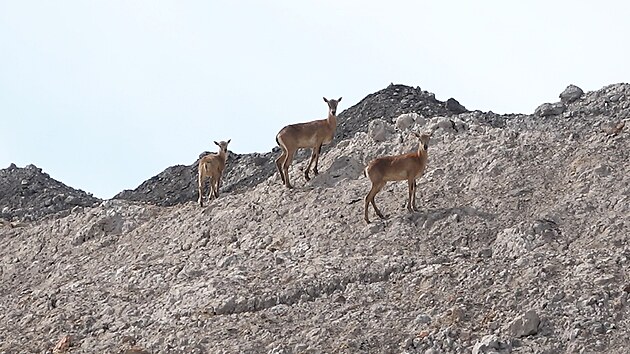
{"type": "Point", "coordinates": [606, 280]}
{"type": "Point", "coordinates": [525, 325]}
{"type": "Point", "coordinates": [406, 121]}
{"type": "Point", "coordinates": [511, 243]}
{"type": "Point", "coordinates": [345, 167]}
{"type": "Point", "coordinates": [492, 344]}
{"type": "Point", "coordinates": [485, 253]}
{"type": "Point", "coordinates": [379, 130]}
{"type": "Point", "coordinates": [423, 318]}
{"type": "Point", "coordinates": [460, 125]}
{"type": "Point", "coordinates": [71, 200]}
{"type": "Point", "coordinates": [444, 124]}
{"type": "Point", "coordinates": [300, 348]}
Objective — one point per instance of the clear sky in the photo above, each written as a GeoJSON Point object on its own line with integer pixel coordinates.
{"type": "Point", "coordinates": [105, 94]}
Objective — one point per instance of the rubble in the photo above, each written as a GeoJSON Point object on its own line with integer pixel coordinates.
{"type": "Point", "coordinates": [520, 245]}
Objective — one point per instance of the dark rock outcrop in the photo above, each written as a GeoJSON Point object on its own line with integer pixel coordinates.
{"type": "Point", "coordinates": [178, 184]}
{"type": "Point", "coordinates": [388, 104]}
{"type": "Point", "coordinates": [454, 106]}
{"type": "Point", "coordinates": [29, 194]}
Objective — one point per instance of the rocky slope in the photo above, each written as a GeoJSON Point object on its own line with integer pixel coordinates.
{"type": "Point", "coordinates": [177, 184]}
{"type": "Point", "coordinates": [520, 246]}
{"type": "Point", "coordinates": [30, 194]}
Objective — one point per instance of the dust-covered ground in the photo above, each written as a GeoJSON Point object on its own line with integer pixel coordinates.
{"type": "Point", "coordinates": [520, 245]}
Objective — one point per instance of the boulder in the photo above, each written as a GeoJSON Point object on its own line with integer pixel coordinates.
{"type": "Point", "coordinates": [571, 94]}
{"type": "Point", "coordinates": [406, 121]}
{"type": "Point", "coordinates": [379, 130]}
{"type": "Point", "coordinates": [492, 344]}
{"type": "Point", "coordinates": [550, 109]}
{"type": "Point", "coordinates": [525, 325]}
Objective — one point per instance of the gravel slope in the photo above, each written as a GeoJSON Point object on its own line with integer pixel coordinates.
{"type": "Point", "coordinates": [520, 245]}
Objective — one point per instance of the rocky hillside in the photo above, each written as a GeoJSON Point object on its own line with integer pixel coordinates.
{"type": "Point", "coordinates": [520, 246]}
{"type": "Point", "coordinates": [389, 102]}
{"type": "Point", "coordinates": [30, 194]}
{"type": "Point", "coordinates": [177, 184]}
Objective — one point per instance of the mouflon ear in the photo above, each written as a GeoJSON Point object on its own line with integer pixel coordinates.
{"type": "Point", "coordinates": [325, 100]}
{"type": "Point", "coordinates": [339, 100]}
{"type": "Point", "coordinates": [229, 141]}
{"type": "Point", "coordinates": [217, 144]}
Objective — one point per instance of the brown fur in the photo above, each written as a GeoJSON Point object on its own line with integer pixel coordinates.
{"type": "Point", "coordinates": [212, 166]}
{"type": "Point", "coordinates": [397, 168]}
{"type": "Point", "coordinates": [312, 135]}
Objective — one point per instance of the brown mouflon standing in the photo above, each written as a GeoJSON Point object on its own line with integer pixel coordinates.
{"type": "Point", "coordinates": [306, 135]}
{"type": "Point", "coordinates": [397, 168]}
{"type": "Point", "coordinates": [212, 166]}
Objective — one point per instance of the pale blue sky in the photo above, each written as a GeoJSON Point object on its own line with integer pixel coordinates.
{"type": "Point", "coordinates": [105, 94]}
